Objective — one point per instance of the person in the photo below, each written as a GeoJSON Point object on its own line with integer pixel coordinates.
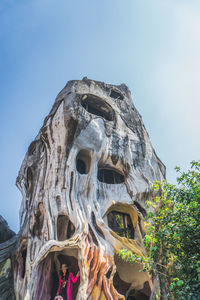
{"type": "Point", "coordinates": [66, 281]}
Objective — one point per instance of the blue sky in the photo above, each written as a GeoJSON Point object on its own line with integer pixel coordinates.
{"type": "Point", "coordinates": [151, 45]}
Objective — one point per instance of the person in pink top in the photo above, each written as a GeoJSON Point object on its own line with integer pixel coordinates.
{"type": "Point", "coordinates": [66, 281]}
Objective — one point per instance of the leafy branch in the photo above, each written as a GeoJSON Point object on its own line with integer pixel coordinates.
{"type": "Point", "coordinates": [172, 239]}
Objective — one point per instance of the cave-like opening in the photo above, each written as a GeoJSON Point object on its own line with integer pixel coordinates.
{"type": "Point", "coordinates": [125, 285]}
{"type": "Point", "coordinates": [83, 161]}
{"type": "Point", "coordinates": [50, 278]}
{"type": "Point", "coordinates": [97, 106]}
{"type": "Point", "coordinates": [65, 228]}
{"type": "Point", "coordinates": [120, 285]}
{"type": "Point", "coordinates": [137, 295]}
{"type": "Point", "coordinates": [81, 166]}
{"type": "Point", "coordinates": [71, 264]}
{"type": "Point", "coordinates": [116, 95]}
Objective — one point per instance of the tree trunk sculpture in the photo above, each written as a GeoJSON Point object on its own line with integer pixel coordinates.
{"type": "Point", "coordinates": [84, 182]}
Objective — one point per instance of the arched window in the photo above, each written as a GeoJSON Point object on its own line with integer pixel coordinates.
{"type": "Point", "coordinates": [121, 223]}
{"type": "Point", "coordinates": [110, 176]}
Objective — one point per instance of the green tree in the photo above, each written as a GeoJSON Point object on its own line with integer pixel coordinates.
{"type": "Point", "coordinates": [173, 235]}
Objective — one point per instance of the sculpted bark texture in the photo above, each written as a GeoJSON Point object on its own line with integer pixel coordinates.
{"type": "Point", "coordinates": [84, 182]}
{"type": "Point", "coordinates": [7, 245]}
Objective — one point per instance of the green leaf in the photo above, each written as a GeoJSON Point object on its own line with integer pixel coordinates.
{"type": "Point", "coordinates": [180, 282]}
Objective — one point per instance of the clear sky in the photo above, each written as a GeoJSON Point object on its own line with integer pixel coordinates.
{"type": "Point", "coordinates": [151, 45]}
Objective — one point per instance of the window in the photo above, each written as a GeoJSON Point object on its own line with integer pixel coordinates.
{"type": "Point", "coordinates": [110, 176]}
{"type": "Point", "coordinates": [83, 161]}
{"type": "Point", "coordinates": [116, 95]}
{"type": "Point", "coordinates": [121, 224]}
{"type": "Point", "coordinates": [97, 106]}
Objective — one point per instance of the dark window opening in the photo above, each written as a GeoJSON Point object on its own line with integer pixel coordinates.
{"type": "Point", "coordinates": [110, 176]}
{"type": "Point", "coordinates": [65, 228]}
{"type": "Point", "coordinates": [48, 275]}
{"type": "Point", "coordinates": [97, 106]}
{"type": "Point", "coordinates": [72, 264]}
{"type": "Point", "coordinates": [116, 95]}
{"type": "Point", "coordinates": [70, 230]}
{"type": "Point", "coordinates": [23, 269]}
{"type": "Point", "coordinates": [137, 295]}
{"type": "Point", "coordinates": [121, 224]}
{"type": "Point", "coordinates": [81, 166]}
{"type": "Point", "coordinates": [83, 161]}
{"type": "Point", "coordinates": [120, 285]}
{"type": "Point", "coordinates": [39, 220]}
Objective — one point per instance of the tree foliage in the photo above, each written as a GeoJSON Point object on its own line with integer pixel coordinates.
{"type": "Point", "coordinates": [172, 238]}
